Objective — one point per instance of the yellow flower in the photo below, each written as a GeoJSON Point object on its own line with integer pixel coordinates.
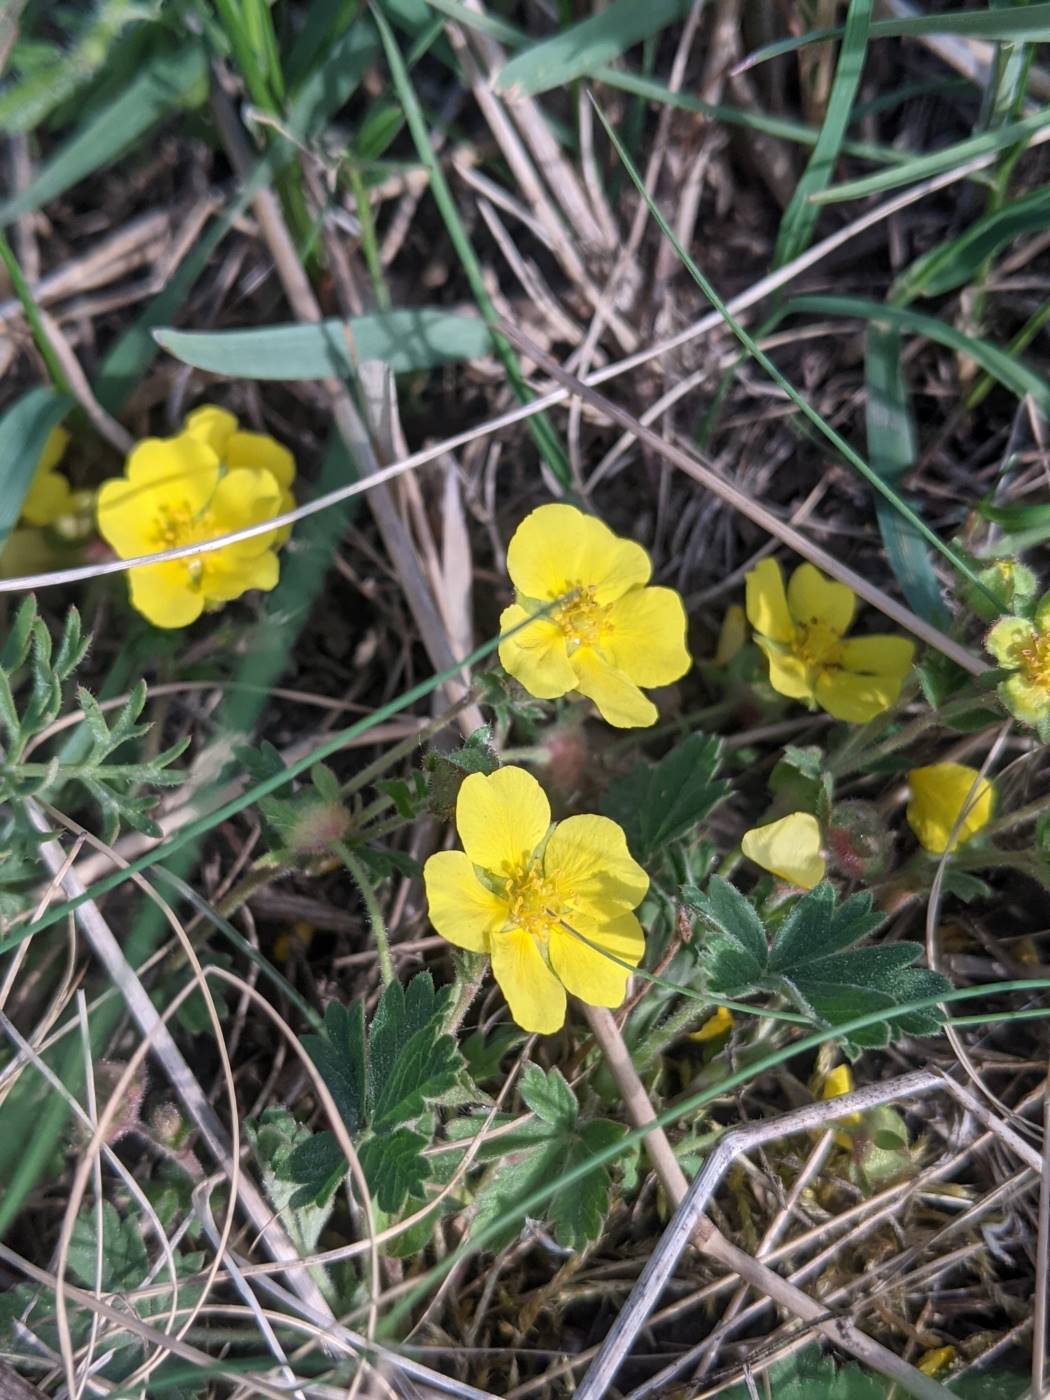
{"type": "Point", "coordinates": [610, 636]}
{"type": "Point", "coordinates": [939, 793]}
{"type": "Point", "coordinates": [518, 889]}
{"type": "Point", "coordinates": [49, 492]}
{"type": "Point", "coordinates": [932, 1363]}
{"type": "Point", "coordinates": [803, 634]}
{"type": "Point", "coordinates": [1023, 647]}
{"type": "Point", "coordinates": [173, 493]}
{"type": "Point", "coordinates": [219, 429]}
{"type": "Point", "coordinates": [716, 1026]}
{"type": "Point", "coordinates": [837, 1082]}
{"type": "Point", "coordinates": [789, 848]}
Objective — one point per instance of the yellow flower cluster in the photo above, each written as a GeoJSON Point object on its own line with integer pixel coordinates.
{"type": "Point", "coordinates": [1022, 647]}
{"type": "Point", "coordinates": [207, 481]}
{"type": "Point", "coordinates": [546, 905]}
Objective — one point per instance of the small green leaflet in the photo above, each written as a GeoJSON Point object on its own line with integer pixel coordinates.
{"type": "Point", "coordinates": [303, 1212]}
{"type": "Point", "coordinates": [812, 961]}
{"type": "Point", "coordinates": [660, 802]}
{"type": "Point", "coordinates": [811, 1375]}
{"type": "Point", "coordinates": [544, 1152]}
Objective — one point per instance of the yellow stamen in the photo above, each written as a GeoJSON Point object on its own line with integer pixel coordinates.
{"type": "Point", "coordinates": [582, 618]}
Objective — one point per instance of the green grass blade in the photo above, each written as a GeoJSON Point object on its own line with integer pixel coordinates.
{"type": "Point", "coordinates": [539, 425]}
{"type": "Point", "coordinates": [800, 217]}
{"type": "Point", "coordinates": [891, 452]}
{"type": "Point", "coordinates": [171, 79]}
{"type": "Point", "coordinates": [1009, 370]}
{"type": "Point", "coordinates": [24, 430]}
{"type": "Point", "coordinates": [956, 261]}
{"type": "Point", "coordinates": [922, 167]}
{"type": "Point", "coordinates": [41, 339]}
{"type": "Point", "coordinates": [404, 339]}
{"type": "Point", "coordinates": [580, 48]}
{"type": "Point", "coordinates": [803, 404]}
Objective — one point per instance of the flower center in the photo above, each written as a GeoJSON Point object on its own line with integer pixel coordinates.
{"type": "Point", "coordinates": [817, 644]}
{"type": "Point", "coordinates": [1034, 660]}
{"type": "Point", "coordinates": [535, 906]}
{"type": "Point", "coordinates": [582, 618]}
{"type": "Point", "coordinates": [177, 525]}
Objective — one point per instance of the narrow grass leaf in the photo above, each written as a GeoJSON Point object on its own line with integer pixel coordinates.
{"type": "Point", "coordinates": [956, 261]}
{"type": "Point", "coordinates": [580, 48]}
{"type": "Point", "coordinates": [1011, 371]}
{"type": "Point", "coordinates": [800, 217]}
{"type": "Point", "coordinates": [405, 340]}
{"type": "Point", "coordinates": [170, 79]}
{"type": "Point", "coordinates": [891, 452]}
{"type": "Point", "coordinates": [24, 429]}
{"type": "Point", "coordinates": [803, 404]}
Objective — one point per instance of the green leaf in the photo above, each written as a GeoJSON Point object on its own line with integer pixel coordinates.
{"type": "Point", "coordinates": [735, 950]}
{"type": "Point", "coordinates": [173, 77]}
{"type": "Point", "coordinates": [578, 1212]}
{"type": "Point", "coordinates": [24, 431]}
{"type": "Point", "coordinates": [580, 48]}
{"type": "Point", "coordinates": [426, 1069]}
{"type": "Point", "coordinates": [125, 1263]}
{"type": "Point", "coordinates": [812, 1375]}
{"type": "Point", "coordinates": [548, 1094]}
{"type": "Point", "coordinates": [340, 1056]}
{"type": "Point", "coordinates": [405, 339]}
{"type": "Point", "coordinates": [660, 802]}
{"type": "Point", "coordinates": [301, 1172]}
{"type": "Point", "coordinates": [401, 1013]}
{"type": "Point", "coordinates": [395, 1167]}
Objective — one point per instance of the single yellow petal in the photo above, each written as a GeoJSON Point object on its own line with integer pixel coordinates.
{"type": "Point", "coordinates": [767, 606]}
{"type": "Point", "coordinates": [502, 818]}
{"type": "Point", "coordinates": [260, 450]}
{"type": "Point", "coordinates": [54, 450]}
{"type": "Point", "coordinates": [1008, 639]}
{"type": "Point", "coordinates": [588, 973]}
{"type": "Point", "coordinates": [837, 1081]}
{"type": "Point", "coordinates": [178, 474]}
{"type": "Point", "coordinates": [557, 548]}
{"type": "Point", "coordinates": [716, 1026]}
{"type": "Point", "coordinates": [619, 701]}
{"type": "Point", "coordinates": [788, 675]}
{"type": "Point", "coordinates": [164, 594]}
{"type": "Point", "coordinates": [123, 521]}
{"type": "Point", "coordinates": [212, 425]}
{"type": "Point", "coordinates": [789, 848]}
{"type": "Point", "coordinates": [814, 598]}
{"type": "Point", "coordinates": [732, 635]}
{"type": "Point", "coordinates": [941, 794]}
{"type": "Point", "coordinates": [855, 698]}
{"type": "Point", "coordinates": [244, 497]}
{"type": "Point", "coordinates": [878, 655]}
{"type": "Point", "coordinates": [460, 907]}
{"type": "Point", "coordinates": [226, 578]}
{"type": "Point", "coordinates": [644, 636]}
{"type": "Point", "coordinates": [590, 866]}
{"type": "Point", "coordinates": [1025, 700]}
{"type": "Point", "coordinates": [48, 497]}
{"type": "Point", "coordinates": [932, 1363]}
{"type": "Point", "coordinates": [535, 996]}
{"type": "Point", "coordinates": [536, 655]}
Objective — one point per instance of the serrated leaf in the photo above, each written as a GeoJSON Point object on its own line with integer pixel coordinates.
{"type": "Point", "coordinates": [340, 1056]}
{"type": "Point", "coordinates": [735, 951]}
{"type": "Point", "coordinates": [660, 802]}
{"type": "Point", "coordinates": [426, 1069]}
{"type": "Point", "coordinates": [578, 1213]}
{"type": "Point", "coordinates": [300, 1172]}
{"type": "Point", "coordinates": [319, 1166]}
{"type": "Point", "coordinates": [124, 1260]}
{"type": "Point", "coordinates": [548, 1094]}
{"type": "Point", "coordinates": [402, 1011]}
{"type": "Point", "coordinates": [395, 1167]}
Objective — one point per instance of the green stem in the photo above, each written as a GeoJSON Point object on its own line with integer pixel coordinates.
{"type": "Point", "coordinates": [360, 878]}
{"type": "Point", "coordinates": [369, 244]}
{"type": "Point", "coordinates": [40, 336]}
{"type": "Point", "coordinates": [470, 973]}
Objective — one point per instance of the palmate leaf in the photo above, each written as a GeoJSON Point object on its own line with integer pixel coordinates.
{"type": "Point", "coordinates": [812, 960]}
{"type": "Point", "coordinates": [660, 802]}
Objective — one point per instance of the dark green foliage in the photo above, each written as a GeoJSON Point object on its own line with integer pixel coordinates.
{"type": "Point", "coordinates": [657, 803]}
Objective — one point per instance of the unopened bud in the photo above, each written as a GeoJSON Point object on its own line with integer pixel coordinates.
{"type": "Point", "coordinates": [859, 842]}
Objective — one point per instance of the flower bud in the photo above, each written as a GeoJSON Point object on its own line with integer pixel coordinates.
{"type": "Point", "coordinates": [858, 840]}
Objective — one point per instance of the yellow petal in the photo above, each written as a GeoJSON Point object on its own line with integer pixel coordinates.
{"type": "Point", "coordinates": [48, 497]}
{"type": "Point", "coordinates": [837, 1081]}
{"type": "Point", "coordinates": [588, 861]}
{"type": "Point", "coordinates": [814, 598]}
{"type": "Point", "coordinates": [212, 425]}
{"type": "Point", "coordinates": [789, 848]}
{"type": "Point", "coordinates": [226, 578]}
{"type": "Point", "coordinates": [1026, 700]}
{"type": "Point", "coordinates": [940, 793]}
{"type": "Point", "coordinates": [261, 450]}
{"type": "Point", "coordinates": [767, 606]}
{"type": "Point", "coordinates": [848, 696]}
{"type": "Point", "coordinates": [732, 635]}
{"type": "Point", "coordinates": [123, 521]}
{"type": "Point", "coordinates": [502, 818]}
{"type": "Point", "coordinates": [244, 497]}
{"type": "Point", "coordinates": [932, 1363]}
{"type": "Point", "coordinates": [164, 594]}
{"type": "Point", "coordinates": [619, 701]}
{"type": "Point", "coordinates": [461, 908]}
{"type": "Point", "coordinates": [644, 636]}
{"type": "Point", "coordinates": [557, 548]}
{"type": "Point", "coordinates": [878, 655]}
{"type": "Point", "coordinates": [54, 450]}
{"type": "Point", "coordinates": [1008, 639]}
{"type": "Point", "coordinates": [787, 674]}
{"type": "Point", "coordinates": [716, 1026]}
{"type": "Point", "coordinates": [535, 996]}
{"type": "Point", "coordinates": [178, 473]}
{"type": "Point", "coordinates": [536, 655]}
{"type": "Point", "coordinates": [588, 973]}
